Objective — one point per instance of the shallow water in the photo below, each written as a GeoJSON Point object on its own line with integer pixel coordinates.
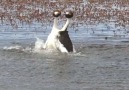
{"type": "Point", "coordinates": [96, 67]}
{"type": "Point", "coordinates": [98, 64]}
{"type": "Point", "coordinates": [99, 33]}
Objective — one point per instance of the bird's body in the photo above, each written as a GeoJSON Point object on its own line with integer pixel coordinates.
{"type": "Point", "coordinates": [66, 41]}
{"type": "Point", "coordinates": [59, 39]}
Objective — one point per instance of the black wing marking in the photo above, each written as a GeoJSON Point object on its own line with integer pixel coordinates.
{"type": "Point", "coordinates": [65, 40]}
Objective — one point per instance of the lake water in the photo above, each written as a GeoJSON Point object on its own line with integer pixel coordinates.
{"type": "Point", "coordinates": [100, 63]}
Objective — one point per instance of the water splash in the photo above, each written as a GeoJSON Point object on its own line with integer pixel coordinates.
{"type": "Point", "coordinates": [38, 44]}
{"type": "Point", "coordinates": [39, 47]}
{"type": "Point", "coordinates": [16, 47]}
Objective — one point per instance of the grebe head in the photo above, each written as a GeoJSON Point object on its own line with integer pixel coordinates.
{"type": "Point", "coordinates": [68, 14]}
{"type": "Point", "coordinates": [56, 13]}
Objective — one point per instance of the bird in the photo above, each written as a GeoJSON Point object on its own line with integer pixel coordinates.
{"type": "Point", "coordinates": [59, 39]}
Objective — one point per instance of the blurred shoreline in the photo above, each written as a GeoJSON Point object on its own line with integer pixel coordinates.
{"type": "Point", "coordinates": [89, 12]}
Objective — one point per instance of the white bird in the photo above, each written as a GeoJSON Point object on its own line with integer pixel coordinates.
{"type": "Point", "coordinates": [59, 39]}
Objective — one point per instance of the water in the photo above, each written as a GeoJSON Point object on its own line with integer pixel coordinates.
{"type": "Point", "coordinates": [98, 64]}
{"type": "Point", "coordinates": [101, 39]}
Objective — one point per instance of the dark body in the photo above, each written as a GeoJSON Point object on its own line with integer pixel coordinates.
{"type": "Point", "coordinates": [66, 41]}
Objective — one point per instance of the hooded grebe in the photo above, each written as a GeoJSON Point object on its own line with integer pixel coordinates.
{"type": "Point", "coordinates": [59, 38]}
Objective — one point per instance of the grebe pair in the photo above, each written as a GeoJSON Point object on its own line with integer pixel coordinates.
{"type": "Point", "coordinates": [59, 39]}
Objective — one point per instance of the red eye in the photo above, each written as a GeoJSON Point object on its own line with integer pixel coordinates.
{"type": "Point", "coordinates": [56, 13]}
{"type": "Point", "coordinates": [69, 14]}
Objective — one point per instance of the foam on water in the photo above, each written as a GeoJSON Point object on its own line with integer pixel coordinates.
{"type": "Point", "coordinates": [35, 48]}
{"type": "Point", "coordinates": [17, 48]}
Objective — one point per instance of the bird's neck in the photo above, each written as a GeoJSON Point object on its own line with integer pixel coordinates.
{"type": "Point", "coordinates": [66, 25]}
{"type": "Point", "coordinates": [55, 23]}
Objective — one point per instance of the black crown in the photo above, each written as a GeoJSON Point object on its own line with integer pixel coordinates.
{"type": "Point", "coordinates": [68, 14]}
{"type": "Point", "coordinates": [56, 13]}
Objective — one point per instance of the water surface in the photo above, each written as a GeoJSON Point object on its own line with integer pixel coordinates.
{"type": "Point", "coordinates": [99, 63]}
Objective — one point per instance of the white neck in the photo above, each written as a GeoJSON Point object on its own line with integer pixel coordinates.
{"type": "Point", "coordinates": [66, 25]}
{"type": "Point", "coordinates": [55, 22]}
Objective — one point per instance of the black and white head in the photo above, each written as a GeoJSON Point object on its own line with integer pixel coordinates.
{"type": "Point", "coordinates": [56, 13]}
{"type": "Point", "coordinates": [68, 14]}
